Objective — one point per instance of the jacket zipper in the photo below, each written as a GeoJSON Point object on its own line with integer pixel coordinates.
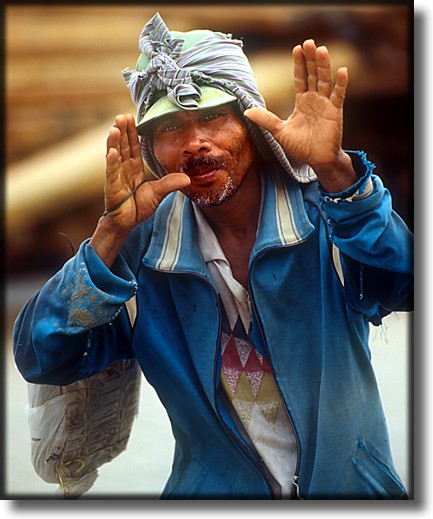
{"type": "Point", "coordinates": [295, 490]}
{"type": "Point", "coordinates": [227, 429]}
{"type": "Point", "coordinates": [251, 458]}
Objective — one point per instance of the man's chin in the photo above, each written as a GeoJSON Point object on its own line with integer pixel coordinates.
{"type": "Point", "coordinates": [210, 197]}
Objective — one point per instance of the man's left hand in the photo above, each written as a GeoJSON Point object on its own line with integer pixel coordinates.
{"type": "Point", "coordinates": [313, 132]}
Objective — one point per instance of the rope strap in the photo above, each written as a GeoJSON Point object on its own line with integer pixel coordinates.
{"type": "Point", "coordinates": [119, 204]}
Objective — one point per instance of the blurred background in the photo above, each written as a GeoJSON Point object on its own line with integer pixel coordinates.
{"type": "Point", "coordinates": [63, 89]}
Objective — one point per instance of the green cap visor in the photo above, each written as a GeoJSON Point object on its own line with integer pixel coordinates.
{"type": "Point", "coordinates": [211, 97]}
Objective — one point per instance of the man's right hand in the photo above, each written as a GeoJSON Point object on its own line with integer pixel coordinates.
{"type": "Point", "coordinates": [128, 199]}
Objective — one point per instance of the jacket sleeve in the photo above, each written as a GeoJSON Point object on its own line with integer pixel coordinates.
{"type": "Point", "coordinates": [77, 324]}
{"type": "Point", "coordinates": [374, 244]}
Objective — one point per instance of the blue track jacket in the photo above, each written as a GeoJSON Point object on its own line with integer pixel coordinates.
{"type": "Point", "coordinates": [322, 268]}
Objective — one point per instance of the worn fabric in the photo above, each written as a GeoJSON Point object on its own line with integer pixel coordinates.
{"type": "Point", "coordinates": [312, 327]}
{"type": "Point", "coordinates": [246, 375]}
{"type": "Point", "coordinates": [215, 59]}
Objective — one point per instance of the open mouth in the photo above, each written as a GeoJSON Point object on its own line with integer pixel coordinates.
{"type": "Point", "coordinates": [203, 174]}
{"type": "Point", "coordinates": [202, 169]}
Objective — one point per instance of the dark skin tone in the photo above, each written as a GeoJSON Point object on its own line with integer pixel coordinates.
{"type": "Point", "coordinates": [312, 134]}
{"type": "Point", "coordinates": [217, 132]}
{"type": "Point", "coordinates": [235, 227]}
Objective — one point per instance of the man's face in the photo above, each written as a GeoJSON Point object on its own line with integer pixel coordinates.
{"type": "Point", "coordinates": [211, 146]}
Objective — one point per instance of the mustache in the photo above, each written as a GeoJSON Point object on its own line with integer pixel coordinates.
{"type": "Point", "coordinates": [193, 163]}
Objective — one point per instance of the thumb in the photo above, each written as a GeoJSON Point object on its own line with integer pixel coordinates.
{"type": "Point", "coordinates": [264, 118]}
{"type": "Point", "coordinates": [169, 183]}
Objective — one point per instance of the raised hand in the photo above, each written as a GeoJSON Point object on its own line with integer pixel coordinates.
{"type": "Point", "coordinates": [313, 132]}
{"type": "Point", "coordinates": [129, 198]}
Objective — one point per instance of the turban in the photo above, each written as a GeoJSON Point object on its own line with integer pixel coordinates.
{"type": "Point", "coordinates": [193, 70]}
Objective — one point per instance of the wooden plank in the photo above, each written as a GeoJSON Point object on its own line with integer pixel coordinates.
{"type": "Point", "coordinates": [63, 63]}
{"type": "Point", "coordinates": [92, 27]}
{"type": "Point", "coordinates": [63, 77]}
{"type": "Point", "coordinates": [55, 180]}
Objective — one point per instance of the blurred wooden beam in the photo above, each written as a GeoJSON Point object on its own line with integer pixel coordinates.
{"type": "Point", "coordinates": [53, 181]}
{"type": "Point", "coordinates": [63, 63]}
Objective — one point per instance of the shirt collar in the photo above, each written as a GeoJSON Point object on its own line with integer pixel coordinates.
{"type": "Point", "coordinates": [207, 241]}
{"type": "Point", "coordinates": [174, 244]}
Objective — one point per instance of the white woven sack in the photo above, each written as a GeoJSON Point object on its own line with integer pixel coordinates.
{"type": "Point", "coordinates": [77, 428]}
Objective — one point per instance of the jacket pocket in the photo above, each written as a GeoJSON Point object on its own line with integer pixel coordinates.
{"type": "Point", "coordinates": [380, 481]}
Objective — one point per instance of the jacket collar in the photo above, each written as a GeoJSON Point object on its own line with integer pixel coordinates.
{"type": "Point", "coordinates": [174, 242]}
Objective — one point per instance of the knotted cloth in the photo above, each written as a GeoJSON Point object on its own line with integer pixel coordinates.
{"type": "Point", "coordinates": [177, 64]}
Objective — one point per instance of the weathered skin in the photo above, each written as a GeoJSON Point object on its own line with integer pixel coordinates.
{"type": "Point", "coordinates": [312, 134]}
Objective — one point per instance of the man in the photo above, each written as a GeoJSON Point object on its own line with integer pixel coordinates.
{"type": "Point", "coordinates": [254, 265]}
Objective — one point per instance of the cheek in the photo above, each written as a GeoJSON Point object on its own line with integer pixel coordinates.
{"type": "Point", "coordinates": [243, 150]}
{"type": "Point", "coordinates": [164, 155]}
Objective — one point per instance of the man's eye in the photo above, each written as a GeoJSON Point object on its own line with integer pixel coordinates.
{"type": "Point", "coordinates": [211, 116]}
{"type": "Point", "coordinates": [168, 128]}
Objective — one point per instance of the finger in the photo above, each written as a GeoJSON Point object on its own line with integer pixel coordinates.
{"type": "Point", "coordinates": [324, 74]}
{"type": "Point", "coordinates": [309, 48]}
{"type": "Point", "coordinates": [340, 87]}
{"type": "Point", "coordinates": [122, 124]}
{"type": "Point", "coordinates": [167, 184]}
{"type": "Point", "coordinates": [112, 164]}
{"type": "Point", "coordinates": [264, 118]}
{"type": "Point", "coordinates": [113, 159]}
{"type": "Point", "coordinates": [113, 139]}
{"type": "Point", "coordinates": [299, 70]}
{"type": "Point", "coordinates": [134, 143]}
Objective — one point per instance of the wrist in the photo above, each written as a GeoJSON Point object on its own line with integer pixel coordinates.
{"type": "Point", "coordinates": [337, 176]}
{"type": "Point", "coordinates": [108, 225]}
{"type": "Point", "coordinates": [108, 239]}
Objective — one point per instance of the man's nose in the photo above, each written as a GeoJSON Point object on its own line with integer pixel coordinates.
{"type": "Point", "coordinates": [195, 141]}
